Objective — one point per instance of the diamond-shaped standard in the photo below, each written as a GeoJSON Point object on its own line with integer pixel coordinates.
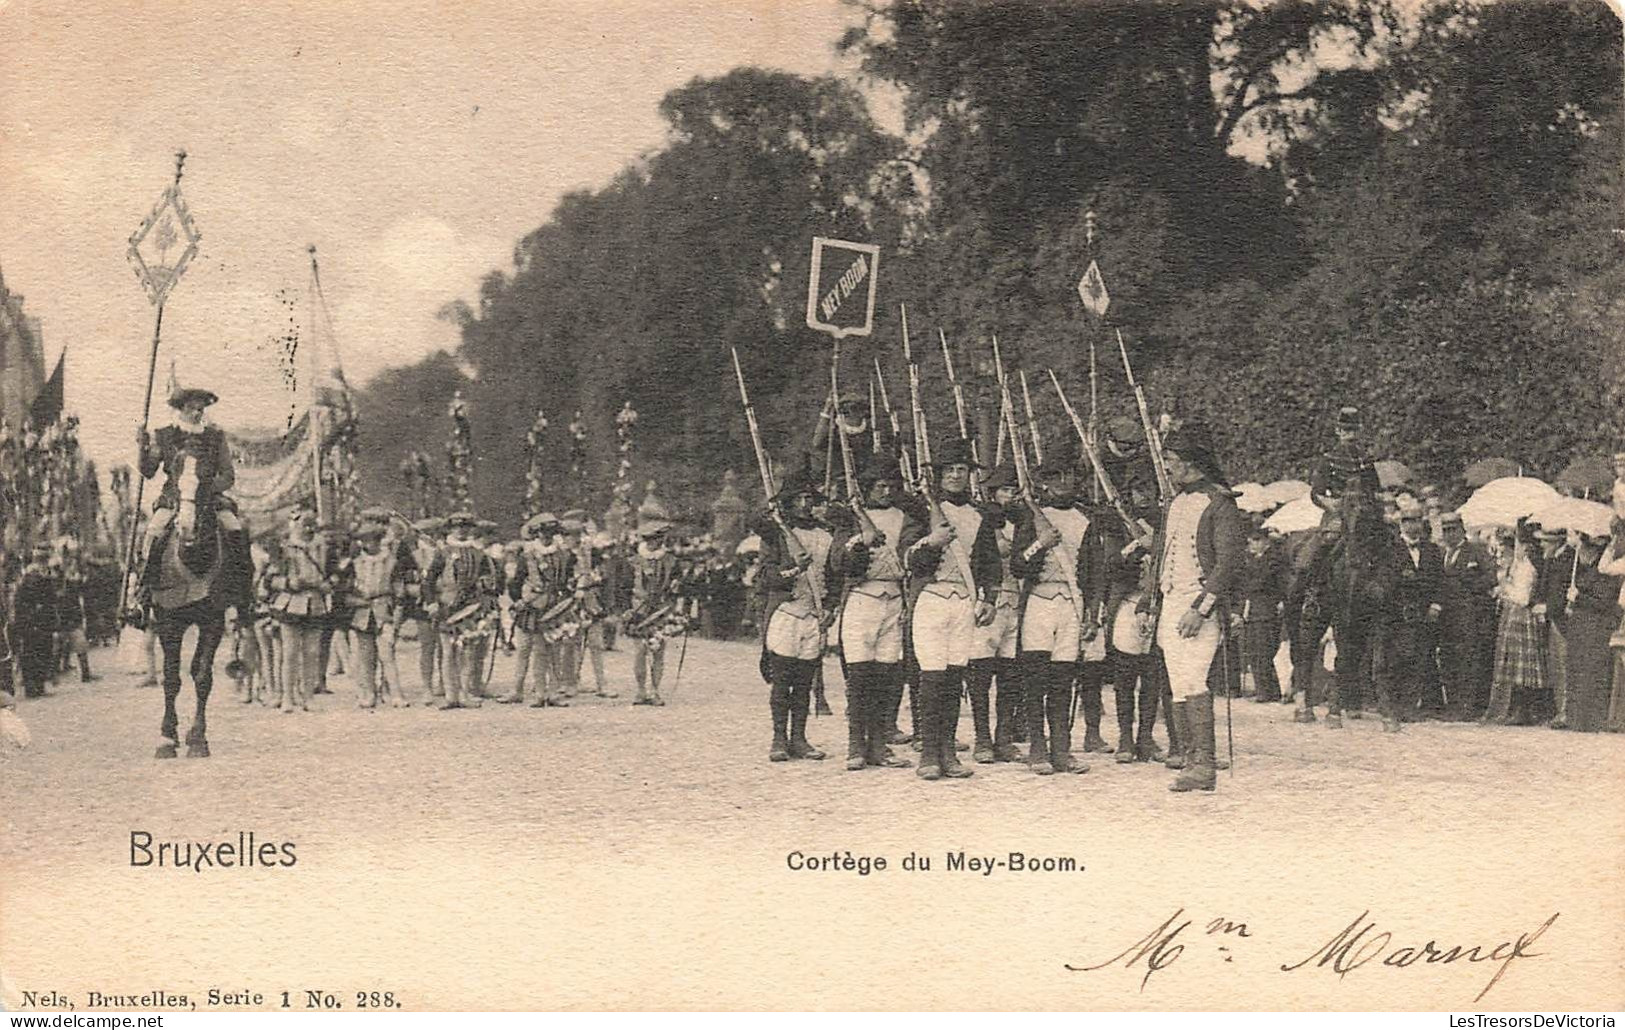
{"type": "Point", "coordinates": [164, 245]}
{"type": "Point", "coordinates": [1092, 290]}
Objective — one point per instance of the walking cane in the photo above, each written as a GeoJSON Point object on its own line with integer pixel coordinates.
{"type": "Point", "coordinates": [1229, 726]}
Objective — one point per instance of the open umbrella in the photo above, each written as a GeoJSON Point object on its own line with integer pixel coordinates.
{"type": "Point", "coordinates": [1252, 497]}
{"type": "Point", "coordinates": [1295, 516]}
{"type": "Point", "coordinates": [1502, 502]}
{"type": "Point", "coordinates": [1487, 470]}
{"type": "Point", "coordinates": [1593, 476]}
{"type": "Point", "coordinates": [1565, 513]}
{"type": "Point", "coordinates": [1392, 473]}
{"type": "Point", "coordinates": [1284, 491]}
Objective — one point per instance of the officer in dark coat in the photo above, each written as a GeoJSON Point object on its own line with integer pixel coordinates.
{"type": "Point", "coordinates": [1406, 669]}
{"type": "Point", "coordinates": [1466, 624]}
{"type": "Point", "coordinates": [34, 622]}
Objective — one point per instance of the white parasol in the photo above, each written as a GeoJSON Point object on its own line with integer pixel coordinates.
{"type": "Point", "coordinates": [1502, 502]}
{"type": "Point", "coordinates": [1295, 517]}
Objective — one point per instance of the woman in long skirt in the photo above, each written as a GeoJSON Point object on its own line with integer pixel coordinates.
{"type": "Point", "coordinates": [1520, 638]}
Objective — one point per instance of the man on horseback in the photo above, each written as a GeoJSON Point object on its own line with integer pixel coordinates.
{"type": "Point", "coordinates": [198, 471]}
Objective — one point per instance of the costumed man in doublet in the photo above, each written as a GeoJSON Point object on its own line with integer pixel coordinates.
{"type": "Point", "coordinates": [538, 583]}
{"type": "Point", "coordinates": [995, 658]}
{"type": "Point", "coordinates": [656, 608]}
{"type": "Point", "coordinates": [375, 586]}
{"type": "Point", "coordinates": [1201, 547]}
{"type": "Point", "coordinates": [267, 571]}
{"type": "Point", "coordinates": [956, 566]}
{"type": "Point", "coordinates": [480, 639]}
{"type": "Point", "coordinates": [868, 573]}
{"type": "Point", "coordinates": [603, 581]}
{"type": "Point", "coordinates": [427, 539]}
{"type": "Point", "coordinates": [1058, 559]}
{"type": "Point", "coordinates": [798, 611]}
{"type": "Point", "coordinates": [458, 604]}
{"type": "Point", "coordinates": [568, 651]}
{"type": "Point", "coordinates": [301, 606]}
{"type": "Point", "coordinates": [198, 470]}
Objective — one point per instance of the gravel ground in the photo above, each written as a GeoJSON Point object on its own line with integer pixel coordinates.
{"type": "Point", "coordinates": [607, 855]}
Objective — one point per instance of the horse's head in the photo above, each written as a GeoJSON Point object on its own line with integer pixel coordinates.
{"type": "Point", "coordinates": [188, 486]}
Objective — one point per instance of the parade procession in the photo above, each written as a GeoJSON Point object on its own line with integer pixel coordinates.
{"type": "Point", "coordinates": [974, 554]}
{"type": "Point", "coordinates": [827, 504]}
{"type": "Point", "coordinates": [987, 562]}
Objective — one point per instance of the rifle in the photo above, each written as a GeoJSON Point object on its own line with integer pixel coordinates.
{"type": "Point", "coordinates": [1137, 527]}
{"type": "Point", "coordinates": [903, 464]}
{"type": "Point", "coordinates": [866, 527]}
{"type": "Point", "coordinates": [1032, 419]}
{"type": "Point", "coordinates": [1151, 585]}
{"type": "Point", "coordinates": [1018, 452]}
{"type": "Point", "coordinates": [959, 411]}
{"type": "Point", "coordinates": [874, 422]}
{"type": "Point", "coordinates": [792, 547]}
{"type": "Point", "coordinates": [922, 436]}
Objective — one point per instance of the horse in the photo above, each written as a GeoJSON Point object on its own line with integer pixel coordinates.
{"type": "Point", "coordinates": [1346, 585]}
{"type": "Point", "coordinates": [198, 577]}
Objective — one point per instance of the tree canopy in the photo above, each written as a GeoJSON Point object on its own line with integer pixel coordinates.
{"type": "Point", "coordinates": [1296, 205]}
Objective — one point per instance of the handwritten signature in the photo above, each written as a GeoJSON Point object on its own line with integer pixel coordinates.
{"type": "Point", "coordinates": [1359, 943]}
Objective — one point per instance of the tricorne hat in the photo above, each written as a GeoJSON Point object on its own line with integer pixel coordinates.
{"type": "Point", "coordinates": [1004, 475]}
{"type": "Point", "coordinates": [461, 520]}
{"type": "Point", "coordinates": [954, 451]}
{"type": "Point", "coordinates": [652, 527]}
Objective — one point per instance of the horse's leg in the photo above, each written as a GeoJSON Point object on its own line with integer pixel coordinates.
{"type": "Point", "coordinates": [210, 631]}
{"type": "Point", "coordinates": [171, 630]}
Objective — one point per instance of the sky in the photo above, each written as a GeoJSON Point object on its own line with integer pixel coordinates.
{"type": "Point", "coordinates": [412, 143]}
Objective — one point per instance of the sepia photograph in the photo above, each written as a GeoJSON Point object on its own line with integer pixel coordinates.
{"type": "Point", "coordinates": [954, 506]}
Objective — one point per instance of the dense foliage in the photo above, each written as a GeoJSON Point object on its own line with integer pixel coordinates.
{"type": "Point", "coordinates": [1297, 206]}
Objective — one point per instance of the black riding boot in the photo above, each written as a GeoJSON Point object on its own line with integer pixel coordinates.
{"type": "Point", "coordinates": [1060, 718]}
{"type": "Point", "coordinates": [1008, 711]}
{"type": "Point", "coordinates": [779, 702]}
{"type": "Point", "coordinates": [887, 696]}
{"type": "Point", "coordinates": [1090, 680]}
{"type": "Point", "coordinates": [1199, 773]}
{"type": "Point", "coordinates": [1035, 680]}
{"type": "Point", "coordinates": [800, 706]}
{"type": "Point", "coordinates": [979, 680]}
{"type": "Point", "coordinates": [947, 709]}
{"type": "Point", "coordinates": [928, 732]}
{"type": "Point", "coordinates": [859, 703]}
{"type": "Point", "coordinates": [914, 710]}
{"type": "Point", "coordinates": [1124, 692]}
{"type": "Point", "coordinates": [1145, 743]}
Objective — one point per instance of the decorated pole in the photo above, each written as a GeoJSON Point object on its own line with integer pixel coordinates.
{"type": "Point", "coordinates": [169, 223]}
{"type": "Point", "coordinates": [625, 421]}
{"type": "Point", "coordinates": [533, 476]}
{"type": "Point", "coordinates": [459, 451]}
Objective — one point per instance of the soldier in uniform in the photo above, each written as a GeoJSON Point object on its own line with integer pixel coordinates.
{"type": "Point", "coordinates": [655, 613]}
{"type": "Point", "coordinates": [71, 610]}
{"type": "Point", "coordinates": [458, 605]}
{"type": "Point", "coordinates": [957, 565]}
{"type": "Point", "coordinates": [568, 651]}
{"type": "Point", "coordinates": [870, 628]}
{"type": "Point", "coordinates": [266, 572]}
{"type": "Point", "coordinates": [194, 452]}
{"type": "Point", "coordinates": [537, 580]}
{"type": "Point", "coordinates": [995, 657]}
{"type": "Point", "coordinates": [1058, 559]}
{"type": "Point", "coordinates": [1201, 546]}
{"type": "Point", "coordinates": [375, 584]}
{"type": "Point", "coordinates": [799, 612]}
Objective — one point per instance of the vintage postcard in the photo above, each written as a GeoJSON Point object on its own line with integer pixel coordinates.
{"type": "Point", "coordinates": [819, 505]}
